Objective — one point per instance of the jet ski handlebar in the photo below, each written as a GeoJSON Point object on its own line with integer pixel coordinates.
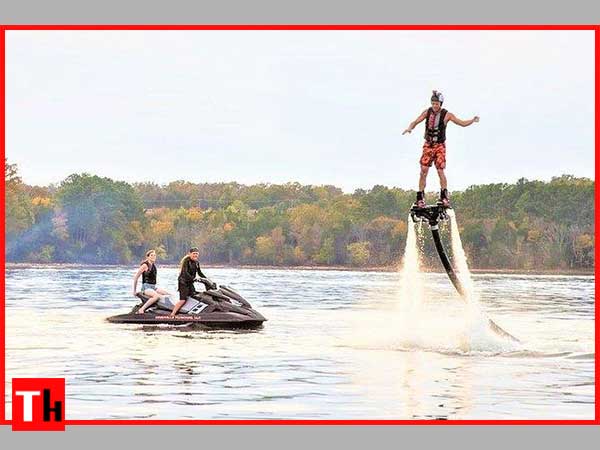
{"type": "Point", "coordinates": [209, 284]}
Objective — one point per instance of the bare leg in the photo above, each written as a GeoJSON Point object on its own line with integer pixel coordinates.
{"type": "Point", "coordinates": [443, 181]}
{"type": "Point", "coordinates": [161, 291]}
{"type": "Point", "coordinates": [154, 297]}
{"type": "Point", "coordinates": [423, 178]}
{"type": "Point", "coordinates": [177, 307]}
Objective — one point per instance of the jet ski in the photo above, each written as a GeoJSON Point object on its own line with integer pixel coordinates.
{"type": "Point", "coordinates": [216, 307]}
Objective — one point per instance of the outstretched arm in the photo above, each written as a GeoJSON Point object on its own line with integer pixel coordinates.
{"type": "Point", "coordinates": [462, 123]}
{"type": "Point", "coordinates": [416, 122]}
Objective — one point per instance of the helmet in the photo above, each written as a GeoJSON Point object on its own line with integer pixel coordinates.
{"type": "Point", "coordinates": [437, 97]}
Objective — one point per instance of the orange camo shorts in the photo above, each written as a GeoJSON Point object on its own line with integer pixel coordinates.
{"type": "Point", "coordinates": [434, 153]}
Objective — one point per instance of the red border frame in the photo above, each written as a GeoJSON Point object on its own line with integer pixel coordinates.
{"type": "Point", "coordinates": [4, 28]}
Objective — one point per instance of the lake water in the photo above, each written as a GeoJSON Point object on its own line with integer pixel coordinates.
{"type": "Point", "coordinates": [338, 345]}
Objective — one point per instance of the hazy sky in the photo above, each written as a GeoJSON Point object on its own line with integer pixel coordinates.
{"type": "Point", "coordinates": [318, 107]}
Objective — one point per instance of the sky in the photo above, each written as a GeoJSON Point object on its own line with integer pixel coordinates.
{"type": "Point", "coordinates": [316, 107]}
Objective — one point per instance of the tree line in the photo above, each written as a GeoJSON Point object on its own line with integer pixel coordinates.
{"type": "Point", "coordinates": [90, 219]}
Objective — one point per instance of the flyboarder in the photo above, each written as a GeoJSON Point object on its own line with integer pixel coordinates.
{"type": "Point", "coordinates": [434, 148]}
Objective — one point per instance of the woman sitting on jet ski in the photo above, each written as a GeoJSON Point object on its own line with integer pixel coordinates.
{"type": "Point", "coordinates": [148, 272]}
{"type": "Point", "coordinates": [190, 267]}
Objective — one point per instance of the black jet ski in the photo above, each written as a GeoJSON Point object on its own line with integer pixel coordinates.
{"type": "Point", "coordinates": [216, 307]}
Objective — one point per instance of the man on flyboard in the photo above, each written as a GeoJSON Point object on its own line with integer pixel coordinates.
{"type": "Point", "coordinates": [434, 149]}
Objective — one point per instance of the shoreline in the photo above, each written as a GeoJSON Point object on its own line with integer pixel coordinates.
{"type": "Point", "coordinates": [389, 269]}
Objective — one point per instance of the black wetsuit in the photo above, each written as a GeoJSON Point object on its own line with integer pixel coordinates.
{"type": "Point", "coordinates": [187, 275]}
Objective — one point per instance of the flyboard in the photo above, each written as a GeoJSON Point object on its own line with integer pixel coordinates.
{"type": "Point", "coordinates": [432, 215]}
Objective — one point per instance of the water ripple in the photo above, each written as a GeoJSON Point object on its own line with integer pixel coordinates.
{"type": "Point", "coordinates": [338, 345]}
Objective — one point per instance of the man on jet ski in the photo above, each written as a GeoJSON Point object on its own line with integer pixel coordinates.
{"type": "Point", "coordinates": [189, 268]}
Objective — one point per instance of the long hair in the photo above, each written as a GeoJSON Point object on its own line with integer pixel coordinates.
{"type": "Point", "coordinates": [146, 256]}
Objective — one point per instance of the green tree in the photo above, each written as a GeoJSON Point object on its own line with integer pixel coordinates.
{"type": "Point", "coordinates": [98, 213]}
{"type": "Point", "coordinates": [18, 214]}
{"type": "Point", "coordinates": [525, 225]}
{"type": "Point", "coordinates": [360, 254]}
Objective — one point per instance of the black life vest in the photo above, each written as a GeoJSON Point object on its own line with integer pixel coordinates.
{"type": "Point", "coordinates": [435, 126]}
{"type": "Point", "coordinates": [149, 276]}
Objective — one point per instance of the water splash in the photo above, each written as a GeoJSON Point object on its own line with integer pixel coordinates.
{"type": "Point", "coordinates": [461, 266]}
{"type": "Point", "coordinates": [425, 321]}
{"type": "Point", "coordinates": [411, 282]}
{"type": "Point", "coordinates": [459, 259]}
